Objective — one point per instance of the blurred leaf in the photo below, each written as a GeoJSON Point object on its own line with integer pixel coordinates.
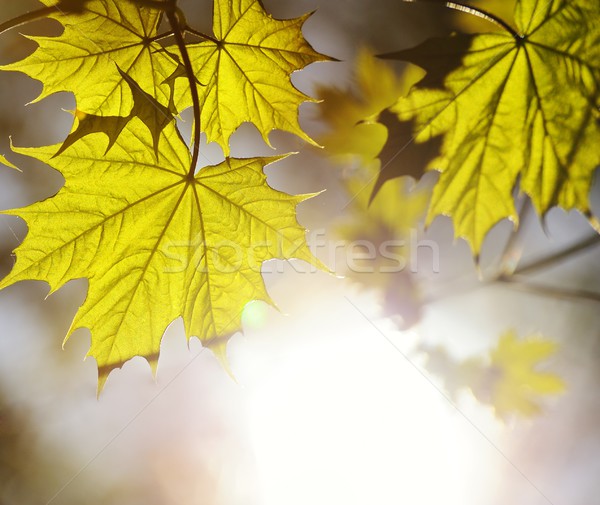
{"type": "Point", "coordinates": [517, 384]}
{"type": "Point", "coordinates": [507, 379]}
{"type": "Point", "coordinates": [385, 225]}
{"type": "Point", "coordinates": [354, 116]}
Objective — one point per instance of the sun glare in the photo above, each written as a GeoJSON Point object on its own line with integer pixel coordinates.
{"type": "Point", "coordinates": [344, 418]}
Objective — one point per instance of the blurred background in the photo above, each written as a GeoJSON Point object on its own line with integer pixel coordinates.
{"type": "Point", "coordinates": [362, 388]}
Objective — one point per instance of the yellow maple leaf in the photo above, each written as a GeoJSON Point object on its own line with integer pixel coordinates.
{"type": "Point", "coordinates": [512, 106]}
{"type": "Point", "coordinates": [244, 71]}
{"type": "Point", "coordinates": [357, 133]}
{"type": "Point", "coordinates": [107, 35]}
{"type": "Point", "coordinates": [510, 381]}
{"type": "Point", "coordinates": [353, 115]}
{"type": "Point", "coordinates": [154, 241]}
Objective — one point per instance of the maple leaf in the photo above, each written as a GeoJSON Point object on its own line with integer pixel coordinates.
{"type": "Point", "coordinates": [245, 71]}
{"type": "Point", "coordinates": [362, 128]}
{"type": "Point", "coordinates": [353, 115]}
{"type": "Point", "coordinates": [507, 379]}
{"type": "Point", "coordinates": [99, 40]}
{"type": "Point", "coordinates": [359, 130]}
{"type": "Point", "coordinates": [516, 383]}
{"type": "Point", "coordinates": [521, 106]}
{"type": "Point", "coordinates": [154, 242]}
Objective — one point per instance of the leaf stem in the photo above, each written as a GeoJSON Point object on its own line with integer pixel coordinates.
{"type": "Point", "coordinates": [474, 11]}
{"type": "Point", "coordinates": [178, 31]}
{"type": "Point", "coordinates": [27, 18]}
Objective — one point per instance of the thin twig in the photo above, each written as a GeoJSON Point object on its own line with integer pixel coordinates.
{"type": "Point", "coordinates": [512, 253]}
{"type": "Point", "coordinates": [28, 18]}
{"type": "Point", "coordinates": [518, 282]}
{"type": "Point", "coordinates": [551, 259]}
{"type": "Point", "coordinates": [517, 279]}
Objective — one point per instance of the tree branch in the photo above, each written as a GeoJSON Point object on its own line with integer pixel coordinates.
{"type": "Point", "coordinates": [517, 282]}
{"type": "Point", "coordinates": [551, 259]}
{"type": "Point", "coordinates": [517, 279]}
{"type": "Point", "coordinates": [511, 254]}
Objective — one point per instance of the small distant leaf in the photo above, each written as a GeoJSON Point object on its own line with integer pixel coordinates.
{"type": "Point", "coordinates": [154, 243]}
{"type": "Point", "coordinates": [507, 378]}
{"type": "Point", "coordinates": [245, 72]}
{"type": "Point", "coordinates": [517, 383]}
{"type": "Point", "coordinates": [516, 109]}
{"type": "Point", "coordinates": [83, 60]}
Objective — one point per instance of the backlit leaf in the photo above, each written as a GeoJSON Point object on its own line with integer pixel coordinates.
{"type": "Point", "coordinates": [245, 71]}
{"type": "Point", "coordinates": [85, 59]}
{"type": "Point", "coordinates": [517, 108]}
{"type": "Point", "coordinates": [155, 243]}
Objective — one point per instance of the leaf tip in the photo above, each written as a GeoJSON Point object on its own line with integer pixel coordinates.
{"type": "Point", "coordinates": [593, 220]}
{"type": "Point", "coordinates": [7, 163]}
{"type": "Point", "coordinates": [218, 347]}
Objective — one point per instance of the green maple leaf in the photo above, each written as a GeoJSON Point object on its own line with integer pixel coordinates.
{"type": "Point", "coordinates": [105, 36]}
{"type": "Point", "coordinates": [155, 243]}
{"type": "Point", "coordinates": [245, 71]}
{"type": "Point", "coordinates": [520, 107]}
